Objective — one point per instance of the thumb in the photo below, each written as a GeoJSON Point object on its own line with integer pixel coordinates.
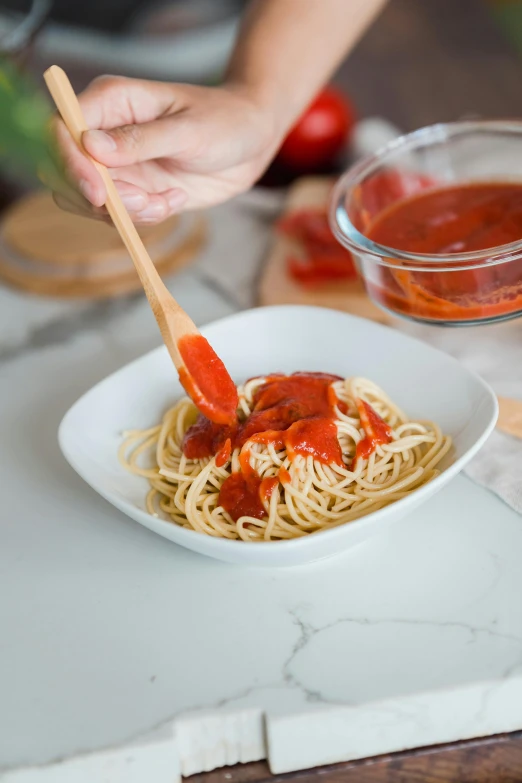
{"type": "Point", "coordinates": [131, 144]}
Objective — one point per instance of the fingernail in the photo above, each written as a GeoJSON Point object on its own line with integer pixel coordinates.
{"type": "Point", "coordinates": [134, 201]}
{"type": "Point", "coordinates": [104, 142]}
{"type": "Point", "coordinates": [87, 190]}
{"type": "Point", "coordinates": [151, 212]}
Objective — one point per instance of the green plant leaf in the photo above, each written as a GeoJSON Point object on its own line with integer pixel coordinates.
{"type": "Point", "coordinates": [24, 123]}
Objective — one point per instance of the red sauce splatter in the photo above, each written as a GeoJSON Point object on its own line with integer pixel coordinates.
{"type": "Point", "coordinates": [240, 497]}
{"type": "Point", "coordinates": [276, 438]}
{"type": "Point", "coordinates": [315, 438]}
{"type": "Point", "coordinates": [295, 412]}
{"type": "Point", "coordinates": [246, 467]}
{"type": "Point", "coordinates": [376, 431]}
{"type": "Point", "coordinates": [206, 380]}
{"type": "Point", "coordinates": [322, 259]}
{"type": "Point", "coordinates": [456, 219]}
{"type": "Point", "coordinates": [335, 401]}
{"type": "Point", "coordinates": [224, 453]}
{"type": "Point", "coordinates": [206, 438]}
{"type": "Point", "coordinates": [283, 400]}
{"type": "Point", "coordinates": [284, 476]}
{"type": "Point", "coordinates": [267, 487]}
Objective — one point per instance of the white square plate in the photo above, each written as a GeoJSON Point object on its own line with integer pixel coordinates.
{"type": "Point", "coordinates": [425, 382]}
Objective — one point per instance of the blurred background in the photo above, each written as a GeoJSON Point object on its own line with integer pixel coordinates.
{"type": "Point", "coordinates": [420, 63]}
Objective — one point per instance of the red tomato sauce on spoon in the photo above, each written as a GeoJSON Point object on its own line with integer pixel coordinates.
{"type": "Point", "coordinates": [206, 380]}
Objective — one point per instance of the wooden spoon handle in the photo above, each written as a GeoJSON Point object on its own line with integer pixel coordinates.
{"type": "Point", "coordinates": [171, 318]}
{"type": "Point", "coordinates": [201, 372]}
{"type": "Point", "coordinates": [510, 416]}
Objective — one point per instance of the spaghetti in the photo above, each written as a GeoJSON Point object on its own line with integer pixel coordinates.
{"type": "Point", "coordinates": [308, 452]}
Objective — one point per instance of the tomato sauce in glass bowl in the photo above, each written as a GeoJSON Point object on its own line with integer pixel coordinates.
{"type": "Point", "coordinates": [434, 222]}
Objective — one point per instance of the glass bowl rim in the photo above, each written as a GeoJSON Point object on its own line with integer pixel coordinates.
{"type": "Point", "coordinates": [354, 240]}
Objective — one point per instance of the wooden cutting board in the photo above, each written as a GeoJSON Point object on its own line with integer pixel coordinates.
{"type": "Point", "coordinates": [277, 287]}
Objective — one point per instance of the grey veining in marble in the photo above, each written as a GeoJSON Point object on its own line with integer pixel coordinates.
{"type": "Point", "coordinates": [110, 632]}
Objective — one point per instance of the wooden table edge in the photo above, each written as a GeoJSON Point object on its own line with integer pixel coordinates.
{"type": "Point", "coordinates": [496, 758]}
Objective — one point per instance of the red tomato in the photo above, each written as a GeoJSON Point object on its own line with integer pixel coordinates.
{"type": "Point", "coordinates": [324, 259]}
{"type": "Point", "coordinates": [320, 134]}
{"type": "Point", "coordinates": [309, 226]}
{"type": "Point", "coordinates": [318, 270]}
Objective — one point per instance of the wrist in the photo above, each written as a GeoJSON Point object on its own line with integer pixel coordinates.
{"type": "Point", "coordinates": [276, 111]}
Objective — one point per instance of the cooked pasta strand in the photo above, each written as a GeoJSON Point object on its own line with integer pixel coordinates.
{"type": "Point", "coordinates": [317, 497]}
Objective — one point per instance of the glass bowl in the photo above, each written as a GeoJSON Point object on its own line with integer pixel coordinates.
{"type": "Point", "coordinates": [450, 289]}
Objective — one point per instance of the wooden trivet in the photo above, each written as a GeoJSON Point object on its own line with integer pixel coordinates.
{"type": "Point", "coordinates": [46, 251]}
{"type": "Point", "coordinates": [510, 417]}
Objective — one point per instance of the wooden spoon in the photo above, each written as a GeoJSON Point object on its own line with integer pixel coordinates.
{"type": "Point", "coordinates": [510, 416]}
{"type": "Point", "coordinates": [201, 372]}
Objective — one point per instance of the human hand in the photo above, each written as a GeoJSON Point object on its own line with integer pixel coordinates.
{"type": "Point", "coordinates": [168, 147]}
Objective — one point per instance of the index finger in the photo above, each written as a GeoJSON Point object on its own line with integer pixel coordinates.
{"type": "Point", "coordinates": [112, 101]}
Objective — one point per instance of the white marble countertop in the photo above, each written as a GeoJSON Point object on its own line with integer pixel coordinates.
{"type": "Point", "coordinates": [123, 657]}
